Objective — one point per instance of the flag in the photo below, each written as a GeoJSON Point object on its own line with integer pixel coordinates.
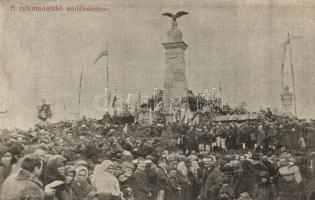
{"type": "Point", "coordinates": [103, 53]}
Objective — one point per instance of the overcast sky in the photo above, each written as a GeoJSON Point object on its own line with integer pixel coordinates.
{"type": "Point", "coordinates": [237, 43]}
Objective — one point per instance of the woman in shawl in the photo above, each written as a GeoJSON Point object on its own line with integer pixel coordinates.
{"type": "Point", "coordinates": [55, 172]}
{"type": "Point", "coordinates": [126, 181]}
{"type": "Point", "coordinates": [80, 186]}
{"type": "Point", "coordinates": [161, 178]}
{"type": "Point", "coordinates": [183, 180]}
{"type": "Point", "coordinates": [67, 193]}
{"type": "Point", "coordinates": [5, 163]}
{"type": "Point", "coordinates": [172, 186]}
{"type": "Point", "coordinates": [265, 190]}
{"type": "Point", "coordinates": [104, 181]}
{"type": "Point", "coordinates": [172, 189]}
{"type": "Point", "coordinates": [246, 179]}
{"type": "Point", "coordinates": [142, 190]}
{"type": "Point", "coordinates": [193, 176]}
{"type": "Point", "coordinates": [55, 169]}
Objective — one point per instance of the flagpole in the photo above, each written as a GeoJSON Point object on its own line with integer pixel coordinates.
{"type": "Point", "coordinates": [2, 120]}
{"type": "Point", "coordinates": [293, 82]}
{"type": "Point", "coordinates": [221, 95]}
{"type": "Point", "coordinates": [115, 106]}
{"type": "Point", "coordinates": [80, 86]}
{"type": "Point", "coordinates": [107, 68]}
{"type": "Point", "coordinates": [64, 110]}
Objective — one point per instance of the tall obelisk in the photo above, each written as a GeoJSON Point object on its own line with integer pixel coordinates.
{"type": "Point", "coordinates": [175, 80]}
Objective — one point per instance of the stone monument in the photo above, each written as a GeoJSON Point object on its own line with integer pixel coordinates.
{"type": "Point", "coordinates": [175, 80]}
{"type": "Point", "coordinates": [287, 101]}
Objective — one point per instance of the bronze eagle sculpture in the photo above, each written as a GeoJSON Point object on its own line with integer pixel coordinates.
{"type": "Point", "coordinates": [177, 15]}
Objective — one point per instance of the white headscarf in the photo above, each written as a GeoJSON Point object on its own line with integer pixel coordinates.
{"type": "Point", "coordinates": [194, 167]}
{"type": "Point", "coordinates": [81, 168]}
{"type": "Point", "coordinates": [103, 181]}
{"type": "Point", "coordinates": [181, 168]}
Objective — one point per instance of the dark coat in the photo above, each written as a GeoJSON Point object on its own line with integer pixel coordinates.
{"type": "Point", "coordinates": [81, 190]}
{"type": "Point", "coordinates": [141, 185]}
{"type": "Point", "coordinates": [285, 139]}
{"type": "Point", "coordinates": [212, 184]}
{"type": "Point", "coordinates": [184, 183]}
{"type": "Point", "coordinates": [246, 179]}
{"type": "Point", "coordinates": [194, 188]}
{"type": "Point", "coordinates": [161, 179]}
{"type": "Point", "coordinates": [226, 193]}
{"type": "Point", "coordinates": [261, 136]}
{"type": "Point", "coordinates": [264, 192]}
{"type": "Point", "coordinates": [4, 173]}
{"type": "Point", "coordinates": [67, 193]}
{"type": "Point", "coordinates": [289, 190]}
{"type": "Point", "coordinates": [173, 188]}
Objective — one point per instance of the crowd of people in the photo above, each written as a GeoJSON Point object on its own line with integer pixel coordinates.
{"type": "Point", "coordinates": [262, 159]}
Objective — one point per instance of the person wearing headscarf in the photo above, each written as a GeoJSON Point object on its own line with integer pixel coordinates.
{"type": "Point", "coordinates": [150, 171]}
{"type": "Point", "coordinates": [81, 186]}
{"type": "Point", "coordinates": [16, 150]}
{"type": "Point", "coordinates": [193, 176]}
{"type": "Point", "coordinates": [104, 181]}
{"type": "Point", "coordinates": [310, 186]}
{"type": "Point", "coordinates": [5, 163]}
{"type": "Point", "coordinates": [246, 179]}
{"type": "Point", "coordinates": [99, 196]}
{"type": "Point", "coordinates": [67, 193]}
{"type": "Point", "coordinates": [55, 169]}
{"type": "Point", "coordinates": [172, 186]}
{"type": "Point", "coordinates": [142, 190]}
{"type": "Point", "coordinates": [212, 180]}
{"type": "Point", "coordinates": [183, 180]}
{"type": "Point", "coordinates": [226, 192]}
{"type": "Point", "coordinates": [265, 190]}
{"type": "Point", "coordinates": [126, 180]}
{"type": "Point", "coordinates": [244, 196]}
{"type": "Point", "coordinates": [161, 178]}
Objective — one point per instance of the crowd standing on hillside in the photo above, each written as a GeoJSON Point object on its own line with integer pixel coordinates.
{"type": "Point", "coordinates": [108, 159]}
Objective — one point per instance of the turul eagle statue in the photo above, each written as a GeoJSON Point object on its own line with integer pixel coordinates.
{"type": "Point", "coordinates": [177, 15]}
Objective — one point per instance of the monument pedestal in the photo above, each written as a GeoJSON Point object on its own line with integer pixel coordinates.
{"type": "Point", "coordinates": [175, 80]}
